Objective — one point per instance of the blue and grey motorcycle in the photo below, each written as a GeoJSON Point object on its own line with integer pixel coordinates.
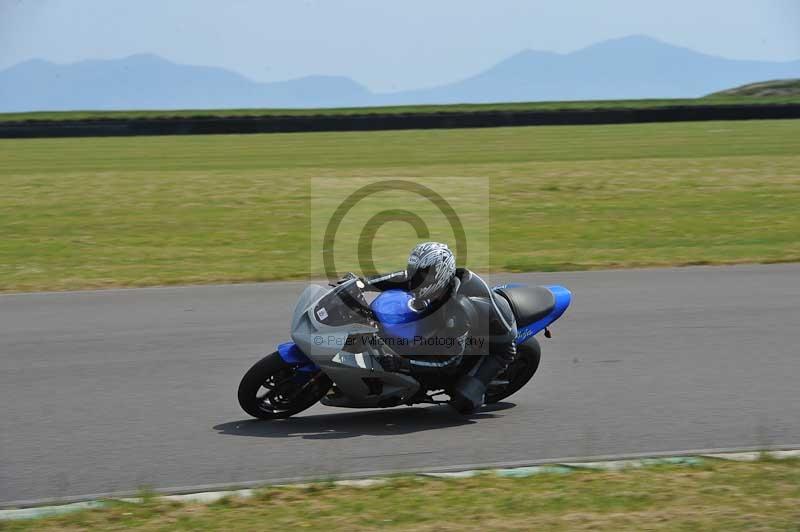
{"type": "Point", "coordinates": [343, 352]}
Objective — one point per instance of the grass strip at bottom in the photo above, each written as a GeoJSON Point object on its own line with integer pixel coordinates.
{"type": "Point", "coordinates": [711, 495]}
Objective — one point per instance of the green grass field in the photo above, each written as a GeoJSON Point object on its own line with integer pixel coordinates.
{"type": "Point", "coordinates": [777, 88]}
{"type": "Point", "coordinates": [712, 496]}
{"type": "Point", "coordinates": [90, 212]}
{"type": "Point", "coordinates": [717, 99]}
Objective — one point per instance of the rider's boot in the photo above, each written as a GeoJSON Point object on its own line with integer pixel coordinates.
{"type": "Point", "coordinates": [469, 391]}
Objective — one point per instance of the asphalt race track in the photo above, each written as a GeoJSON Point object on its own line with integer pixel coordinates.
{"type": "Point", "coordinates": [109, 391]}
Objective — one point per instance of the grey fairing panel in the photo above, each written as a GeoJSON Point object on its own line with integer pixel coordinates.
{"type": "Point", "coordinates": [321, 343]}
{"type": "Point", "coordinates": [311, 294]}
{"type": "Point", "coordinates": [316, 340]}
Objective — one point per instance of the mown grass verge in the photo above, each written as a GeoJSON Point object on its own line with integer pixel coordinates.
{"type": "Point", "coordinates": [726, 496]}
{"type": "Point", "coordinates": [90, 213]}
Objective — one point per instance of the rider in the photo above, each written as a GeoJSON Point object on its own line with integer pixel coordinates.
{"type": "Point", "coordinates": [458, 307]}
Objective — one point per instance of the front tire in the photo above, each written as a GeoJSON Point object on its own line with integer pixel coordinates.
{"type": "Point", "coordinates": [273, 389]}
{"type": "Point", "coordinates": [518, 373]}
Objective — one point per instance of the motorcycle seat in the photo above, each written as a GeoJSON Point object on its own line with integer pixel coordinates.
{"type": "Point", "coordinates": [529, 303]}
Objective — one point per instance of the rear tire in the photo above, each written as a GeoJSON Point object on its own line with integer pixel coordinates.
{"type": "Point", "coordinates": [518, 373]}
{"type": "Point", "coordinates": [273, 389]}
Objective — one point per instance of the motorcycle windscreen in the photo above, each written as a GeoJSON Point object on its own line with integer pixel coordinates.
{"type": "Point", "coordinates": [343, 305]}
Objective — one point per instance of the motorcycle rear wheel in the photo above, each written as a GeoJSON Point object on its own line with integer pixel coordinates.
{"type": "Point", "coordinates": [518, 373]}
{"type": "Point", "coordinates": [273, 389]}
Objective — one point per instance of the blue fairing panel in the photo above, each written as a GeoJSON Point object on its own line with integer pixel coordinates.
{"type": "Point", "coordinates": [291, 354]}
{"type": "Point", "coordinates": [563, 297]}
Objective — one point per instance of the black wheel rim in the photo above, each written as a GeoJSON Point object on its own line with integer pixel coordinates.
{"type": "Point", "coordinates": [515, 372]}
{"type": "Point", "coordinates": [286, 390]}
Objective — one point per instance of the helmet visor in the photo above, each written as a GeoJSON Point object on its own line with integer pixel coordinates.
{"type": "Point", "coordinates": [422, 282]}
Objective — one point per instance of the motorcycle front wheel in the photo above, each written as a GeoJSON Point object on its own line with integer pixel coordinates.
{"type": "Point", "coordinates": [517, 374]}
{"type": "Point", "coordinates": [273, 389]}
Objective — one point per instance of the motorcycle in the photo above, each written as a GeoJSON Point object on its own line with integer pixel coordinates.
{"type": "Point", "coordinates": [343, 352]}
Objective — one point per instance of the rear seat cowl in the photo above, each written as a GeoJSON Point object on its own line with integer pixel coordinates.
{"type": "Point", "coordinates": [529, 303]}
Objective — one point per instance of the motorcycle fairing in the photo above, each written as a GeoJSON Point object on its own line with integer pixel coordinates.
{"type": "Point", "coordinates": [291, 354]}
{"type": "Point", "coordinates": [563, 297]}
{"type": "Point", "coordinates": [320, 335]}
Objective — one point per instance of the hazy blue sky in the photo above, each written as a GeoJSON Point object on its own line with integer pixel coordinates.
{"type": "Point", "coordinates": [385, 45]}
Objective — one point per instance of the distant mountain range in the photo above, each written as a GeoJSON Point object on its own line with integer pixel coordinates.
{"type": "Point", "coordinates": [630, 67]}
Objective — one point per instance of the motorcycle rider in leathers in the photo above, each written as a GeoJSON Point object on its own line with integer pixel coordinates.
{"type": "Point", "coordinates": [458, 310]}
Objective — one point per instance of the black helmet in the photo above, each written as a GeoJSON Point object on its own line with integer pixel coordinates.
{"type": "Point", "coordinates": [431, 268]}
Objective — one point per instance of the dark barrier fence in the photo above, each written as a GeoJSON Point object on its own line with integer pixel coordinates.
{"type": "Point", "coordinates": [121, 127]}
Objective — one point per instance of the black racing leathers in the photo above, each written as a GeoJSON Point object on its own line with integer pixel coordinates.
{"type": "Point", "coordinates": [470, 319]}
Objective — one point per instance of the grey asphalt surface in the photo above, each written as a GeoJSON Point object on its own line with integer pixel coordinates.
{"type": "Point", "coordinates": [113, 390]}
